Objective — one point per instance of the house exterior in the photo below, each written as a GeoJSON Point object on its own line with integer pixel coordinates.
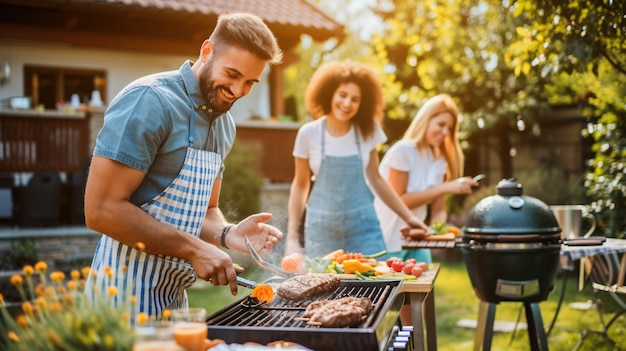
{"type": "Point", "coordinates": [120, 40]}
{"type": "Point", "coordinates": [71, 57]}
{"type": "Point", "coordinates": [62, 61]}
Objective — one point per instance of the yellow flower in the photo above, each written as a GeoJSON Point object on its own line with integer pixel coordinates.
{"type": "Point", "coordinates": [140, 246]}
{"type": "Point", "coordinates": [54, 338]}
{"type": "Point", "coordinates": [57, 276]}
{"type": "Point", "coordinates": [17, 280]}
{"type": "Point", "coordinates": [27, 307]}
{"type": "Point", "coordinates": [85, 271]}
{"type": "Point", "coordinates": [13, 337]}
{"type": "Point", "coordinates": [41, 266]}
{"type": "Point", "coordinates": [142, 318]}
{"type": "Point", "coordinates": [28, 270]}
{"type": "Point", "coordinates": [22, 321]}
{"type": "Point", "coordinates": [167, 313]}
{"type": "Point", "coordinates": [41, 302]}
{"type": "Point", "coordinates": [133, 299]}
{"type": "Point", "coordinates": [72, 285]}
{"type": "Point", "coordinates": [55, 311]}
{"type": "Point", "coordinates": [68, 299]}
{"type": "Point", "coordinates": [39, 290]}
{"type": "Point", "coordinates": [56, 306]}
{"type": "Point", "coordinates": [108, 271]}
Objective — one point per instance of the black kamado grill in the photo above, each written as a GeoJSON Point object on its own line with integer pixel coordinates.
{"type": "Point", "coordinates": [511, 246]}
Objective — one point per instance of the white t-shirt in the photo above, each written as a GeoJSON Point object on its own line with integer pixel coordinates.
{"type": "Point", "coordinates": [424, 170]}
{"type": "Point", "coordinates": [308, 144]}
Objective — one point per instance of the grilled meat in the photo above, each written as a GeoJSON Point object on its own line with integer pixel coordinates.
{"type": "Point", "coordinates": [306, 286]}
{"type": "Point", "coordinates": [339, 313]}
{"type": "Point", "coordinates": [364, 303]}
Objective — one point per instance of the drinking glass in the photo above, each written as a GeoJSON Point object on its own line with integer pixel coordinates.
{"type": "Point", "coordinates": [190, 328]}
{"type": "Point", "coordinates": [155, 336]}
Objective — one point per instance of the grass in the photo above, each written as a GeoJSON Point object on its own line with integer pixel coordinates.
{"type": "Point", "coordinates": [455, 300]}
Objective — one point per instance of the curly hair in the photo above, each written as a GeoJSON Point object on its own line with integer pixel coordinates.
{"type": "Point", "coordinates": [327, 78]}
{"type": "Point", "coordinates": [451, 148]}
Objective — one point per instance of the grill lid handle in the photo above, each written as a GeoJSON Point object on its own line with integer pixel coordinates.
{"type": "Point", "coordinates": [509, 187]}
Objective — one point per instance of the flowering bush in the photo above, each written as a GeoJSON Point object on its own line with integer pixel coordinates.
{"type": "Point", "coordinates": [57, 316]}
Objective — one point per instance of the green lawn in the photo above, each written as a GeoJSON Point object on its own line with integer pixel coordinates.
{"type": "Point", "coordinates": [455, 300]}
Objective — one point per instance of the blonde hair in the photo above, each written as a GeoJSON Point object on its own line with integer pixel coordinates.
{"type": "Point", "coordinates": [327, 78]}
{"type": "Point", "coordinates": [451, 148]}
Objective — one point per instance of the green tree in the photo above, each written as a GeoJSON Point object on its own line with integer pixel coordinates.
{"type": "Point", "coordinates": [459, 47]}
{"type": "Point", "coordinates": [505, 62]}
{"type": "Point", "coordinates": [580, 45]}
{"type": "Point", "coordinates": [312, 54]}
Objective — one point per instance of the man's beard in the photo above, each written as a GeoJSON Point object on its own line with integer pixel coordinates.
{"type": "Point", "coordinates": [210, 92]}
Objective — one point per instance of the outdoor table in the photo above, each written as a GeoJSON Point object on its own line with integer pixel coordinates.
{"type": "Point", "coordinates": [570, 254]}
{"type": "Point", "coordinates": [422, 301]}
{"type": "Point", "coordinates": [421, 294]}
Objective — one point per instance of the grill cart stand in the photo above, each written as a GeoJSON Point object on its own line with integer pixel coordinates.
{"type": "Point", "coordinates": [486, 318]}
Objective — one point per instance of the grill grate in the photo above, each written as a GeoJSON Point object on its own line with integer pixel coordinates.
{"type": "Point", "coordinates": [241, 321]}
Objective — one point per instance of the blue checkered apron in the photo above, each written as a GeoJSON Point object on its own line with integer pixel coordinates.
{"type": "Point", "coordinates": [159, 282]}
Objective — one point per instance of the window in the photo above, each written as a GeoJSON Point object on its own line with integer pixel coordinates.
{"type": "Point", "coordinates": [49, 86]}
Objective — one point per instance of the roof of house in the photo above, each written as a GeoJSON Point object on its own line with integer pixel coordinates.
{"type": "Point", "coordinates": [295, 13]}
{"type": "Point", "coordinates": [182, 21]}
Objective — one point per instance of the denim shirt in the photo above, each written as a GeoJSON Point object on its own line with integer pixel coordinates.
{"type": "Point", "coordinates": [146, 127]}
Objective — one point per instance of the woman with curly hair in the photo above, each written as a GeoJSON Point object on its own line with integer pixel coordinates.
{"type": "Point", "coordinates": [336, 159]}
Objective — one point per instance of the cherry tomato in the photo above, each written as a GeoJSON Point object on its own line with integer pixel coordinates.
{"type": "Point", "coordinates": [410, 260]}
{"type": "Point", "coordinates": [407, 267]}
{"type": "Point", "coordinates": [397, 265]}
{"type": "Point", "coordinates": [422, 265]}
{"type": "Point", "coordinates": [293, 263]}
{"type": "Point", "coordinates": [391, 260]}
{"type": "Point", "coordinates": [416, 271]}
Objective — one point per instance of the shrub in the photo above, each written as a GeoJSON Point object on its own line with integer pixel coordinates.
{"type": "Point", "coordinates": [21, 253]}
{"type": "Point", "coordinates": [242, 182]}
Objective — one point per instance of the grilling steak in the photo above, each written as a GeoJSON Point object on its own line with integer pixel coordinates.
{"type": "Point", "coordinates": [344, 312]}
{"type": "Point", "coordinates": [306, 286]}
{"type": "Point", "coordinates": [364, 303]}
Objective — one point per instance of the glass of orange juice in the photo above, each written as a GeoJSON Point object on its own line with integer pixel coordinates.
{"type": "Point", "coordinates": [190, 328]}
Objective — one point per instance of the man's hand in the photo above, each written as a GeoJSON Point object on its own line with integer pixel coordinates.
{"type": "Point", "coordinates": [214, 265]}
{"type": "Point", "coordinates": [262, 235]}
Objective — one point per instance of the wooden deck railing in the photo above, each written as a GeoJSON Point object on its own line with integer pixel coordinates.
{"type": "Point", "coordinates": [31, 141]}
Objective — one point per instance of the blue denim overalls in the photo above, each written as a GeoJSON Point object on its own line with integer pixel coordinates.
{"type": "Point", "coordinates": [340, 209]}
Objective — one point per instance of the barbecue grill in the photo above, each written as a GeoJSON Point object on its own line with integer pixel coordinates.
{"type": "Point", "coordinates": [511, 245]}
{"type": "Point", "coordinates": [244, 320]}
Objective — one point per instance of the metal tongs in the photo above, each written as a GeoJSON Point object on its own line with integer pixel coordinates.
{"type": "Point", "coordinates": [270, 267]}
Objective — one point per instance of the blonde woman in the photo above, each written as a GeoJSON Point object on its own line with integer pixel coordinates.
{"type": "Point", "coordinates": [423, 167]}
